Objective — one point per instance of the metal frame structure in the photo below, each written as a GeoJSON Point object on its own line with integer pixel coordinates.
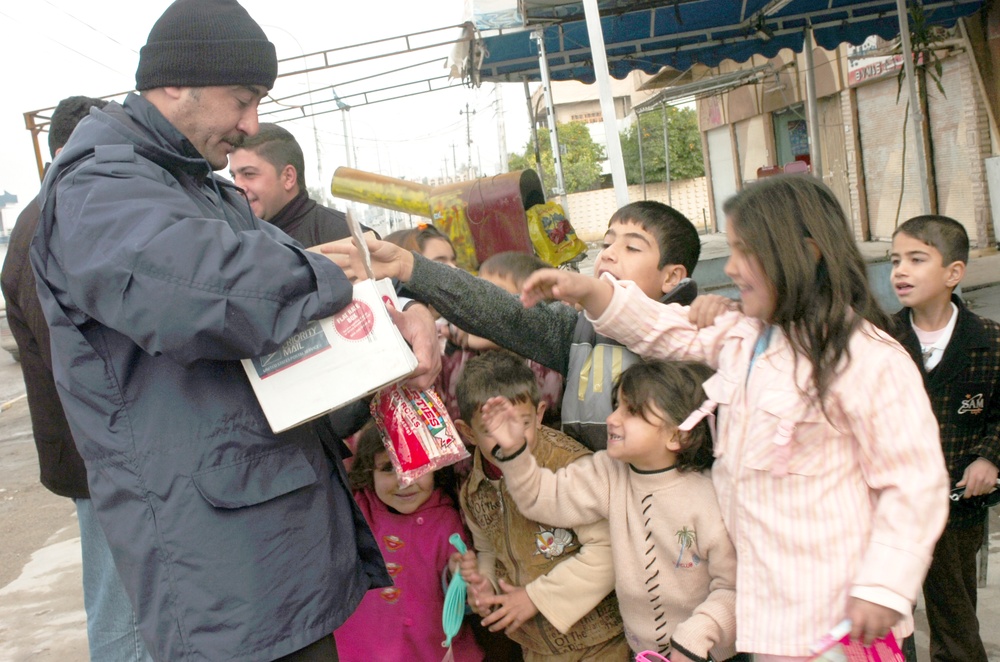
{"type": "Point", "coordinates": [355, 87]}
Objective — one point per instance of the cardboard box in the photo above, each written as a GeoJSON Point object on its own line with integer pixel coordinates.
{"type": "Point", "coordinates": [333, 361]}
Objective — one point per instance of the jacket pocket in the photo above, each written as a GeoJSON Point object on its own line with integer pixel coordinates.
{"type": "Point", "coordinates": [256, 479]}
{"type": "Point", "coordinates": [721, 391]}
{"type": "Point", "coordinates": [786, 434]}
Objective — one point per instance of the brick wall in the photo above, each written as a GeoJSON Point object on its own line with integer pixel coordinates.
{"type": "Point", "coordinates": [589, 211]}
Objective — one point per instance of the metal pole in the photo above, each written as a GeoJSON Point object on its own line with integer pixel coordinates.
{"type": "Point", "coordinates": [598, 52]}
{"type": "Point", "coordinates": [812, 107]}
{"type": "Point", "coordinates": [468, 139]}
{"type": "Point", "coordinates": [666, 153]}
{"type": "Point", "coordinates": [543, 62]}
{"type": "Point", "coordinates": [534, 129]}
{"type": "Point", "coordinates": [501, 129]}
{"type": "Point", "coordinates": [916, 117]}
{"type": "Point", "coordinates": [642, 163]}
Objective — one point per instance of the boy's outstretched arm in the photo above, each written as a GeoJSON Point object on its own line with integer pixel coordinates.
{"type": "Point", "coordinates": [543, 334]}
{"type": "Point", "coordinates": [592, 294]}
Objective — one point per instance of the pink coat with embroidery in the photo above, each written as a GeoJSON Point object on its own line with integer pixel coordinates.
{"type": "Point", "coordinates": [403, 621]}
{"type": "Point", "coordinates": [819, 507]}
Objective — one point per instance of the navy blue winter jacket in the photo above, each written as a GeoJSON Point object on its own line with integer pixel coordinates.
{"type": "Point", "coordinates": [233, 543]}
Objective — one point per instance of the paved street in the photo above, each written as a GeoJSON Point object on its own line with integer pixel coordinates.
{"type": "Point", "coordinates": [41, 604]}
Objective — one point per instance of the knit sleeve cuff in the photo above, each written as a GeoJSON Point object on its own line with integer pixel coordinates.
{"type": "Point", "coordinates": [681, 649]}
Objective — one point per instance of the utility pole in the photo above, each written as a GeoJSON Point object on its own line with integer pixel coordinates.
{"type": "Point", "coordinates": [454, 160]}
{"type": "Point", "coordinates": [501, 129]}
{"type": "Point", "coordinates": [468, 137]}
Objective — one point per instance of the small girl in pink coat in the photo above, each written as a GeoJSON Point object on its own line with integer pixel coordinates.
{"type": "Point", "coordinates": [412, 525]}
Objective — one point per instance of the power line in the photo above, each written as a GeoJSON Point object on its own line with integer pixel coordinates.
{"type": "Point", "coordinates": [82, 22]}
{"type": "Point", "coordinates": [69, 48]}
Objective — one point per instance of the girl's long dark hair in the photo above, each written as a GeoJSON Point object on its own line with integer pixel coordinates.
{"type": "Point", "coordinates": [819, 302]}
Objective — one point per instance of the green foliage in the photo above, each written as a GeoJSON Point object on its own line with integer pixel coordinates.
{"type": "Point", "coordinates": [925, 40]}
{"type": "Point", "coordinates": [686, 161]}
{"type": "Point", "coordinates": [581, 158]}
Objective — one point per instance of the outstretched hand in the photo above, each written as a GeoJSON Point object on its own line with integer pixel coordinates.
{"type": "Point", "coordinates": [387, 260]}
{"type": "Point", "coordinates": [573, 288]}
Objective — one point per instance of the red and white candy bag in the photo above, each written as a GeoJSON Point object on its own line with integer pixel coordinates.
{"type": "Point", "coordinates": [418, 434]}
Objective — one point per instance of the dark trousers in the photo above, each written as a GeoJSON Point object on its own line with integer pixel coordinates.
{"type": "Point", "coordinates": [324, 650]}
{"type": "Point", "coordinates": [950, 596]}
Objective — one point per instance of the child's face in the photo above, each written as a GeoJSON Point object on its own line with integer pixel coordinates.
{"type": "Point", "coordinates": [504, 282]}
{"type": "Point", "coordinates": [407, 499]}
{"type": "Point", "coordinates": [632, 253]}
{"type": "Point", "coordinates": [756, 291]}
{"type": "Point", "coordinates": [439, 250]}
{"type": "Point", "coordinates": [919, 274]}
{"type": "Point", "coordinates": [529, 415]}
{"type": "Point", "coordinates": [647, 445]}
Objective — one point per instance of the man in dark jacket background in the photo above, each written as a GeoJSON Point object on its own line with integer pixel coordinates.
{"type": "Point", "coordinates": [112, 631]}
{"type": "Point", "coordinates": [232, 542]}
{"type": "Point", "coordinates": [270, 168]}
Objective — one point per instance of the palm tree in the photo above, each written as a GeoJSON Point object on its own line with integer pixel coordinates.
{"type": "Point", "coordinates": [686, 538]}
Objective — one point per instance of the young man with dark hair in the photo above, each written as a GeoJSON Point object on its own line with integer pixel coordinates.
{"type": "Point", "coordinates": [270, 167]}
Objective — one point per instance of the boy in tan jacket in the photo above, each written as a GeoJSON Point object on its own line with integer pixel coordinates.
{"type": "Point", "coordinates": [550, 589]}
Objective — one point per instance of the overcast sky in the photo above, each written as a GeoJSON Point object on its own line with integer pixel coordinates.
{"type": "Point", "coordinates": [52, 49]}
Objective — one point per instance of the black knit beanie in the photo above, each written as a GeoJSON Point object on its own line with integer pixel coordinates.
{"type": "Point", "coordinates": [198, 43]}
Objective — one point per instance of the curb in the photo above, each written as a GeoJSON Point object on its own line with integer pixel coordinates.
{"type": "Point", "coordinates": [10, 403]}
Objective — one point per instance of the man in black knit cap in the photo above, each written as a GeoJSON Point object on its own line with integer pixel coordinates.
{"type": "Point", "coordinates": [233, 543]}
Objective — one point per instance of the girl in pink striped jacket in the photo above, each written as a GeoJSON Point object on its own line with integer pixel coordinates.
{"type": "Point", "coordinates": [828, 466]}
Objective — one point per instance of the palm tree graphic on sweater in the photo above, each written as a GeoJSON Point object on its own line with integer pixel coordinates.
{"type": "Point", "coordinates": [686, 538]}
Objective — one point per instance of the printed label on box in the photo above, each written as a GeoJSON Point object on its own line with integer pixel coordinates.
{"type": "Point", "coordinates": [308, 342]}
{"type": "Point", "coordinates": [355, 322]}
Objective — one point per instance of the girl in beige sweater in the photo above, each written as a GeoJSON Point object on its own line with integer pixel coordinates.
{"type": "Point", "coordinates": [675, 567]}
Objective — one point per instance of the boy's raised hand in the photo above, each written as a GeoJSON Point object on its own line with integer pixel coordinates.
{"type": "Point", "coordinates": [503, 425]}
{"type": "Point", "coordinates": [387, 260]}
{"type": "Point", "coordinates": [573, 288]}
{"type": "Point", "coordinates": [511, 609]}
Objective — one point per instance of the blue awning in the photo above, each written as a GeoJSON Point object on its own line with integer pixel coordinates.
{"type": "Point", "coordinates": [680, 34]}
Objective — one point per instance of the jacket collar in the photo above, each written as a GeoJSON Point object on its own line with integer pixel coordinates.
{"type": "Point", "coordinates": [162, 142]}
{"type": "Point", "coordinates": [683, 293]}
{"type": "Point", "coordinates": [291, 214]}
{"type": "Point", "coordinates": [968, 335]}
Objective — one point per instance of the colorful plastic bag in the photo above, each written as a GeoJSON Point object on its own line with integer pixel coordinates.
{"type": "Point", "coordinates": [552, 236]}
{"type": "Point", "coordinates": [418, 434]}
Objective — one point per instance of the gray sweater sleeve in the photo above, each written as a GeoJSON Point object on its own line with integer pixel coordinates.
{"type": "Point", "coordinates": [543, 333]}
